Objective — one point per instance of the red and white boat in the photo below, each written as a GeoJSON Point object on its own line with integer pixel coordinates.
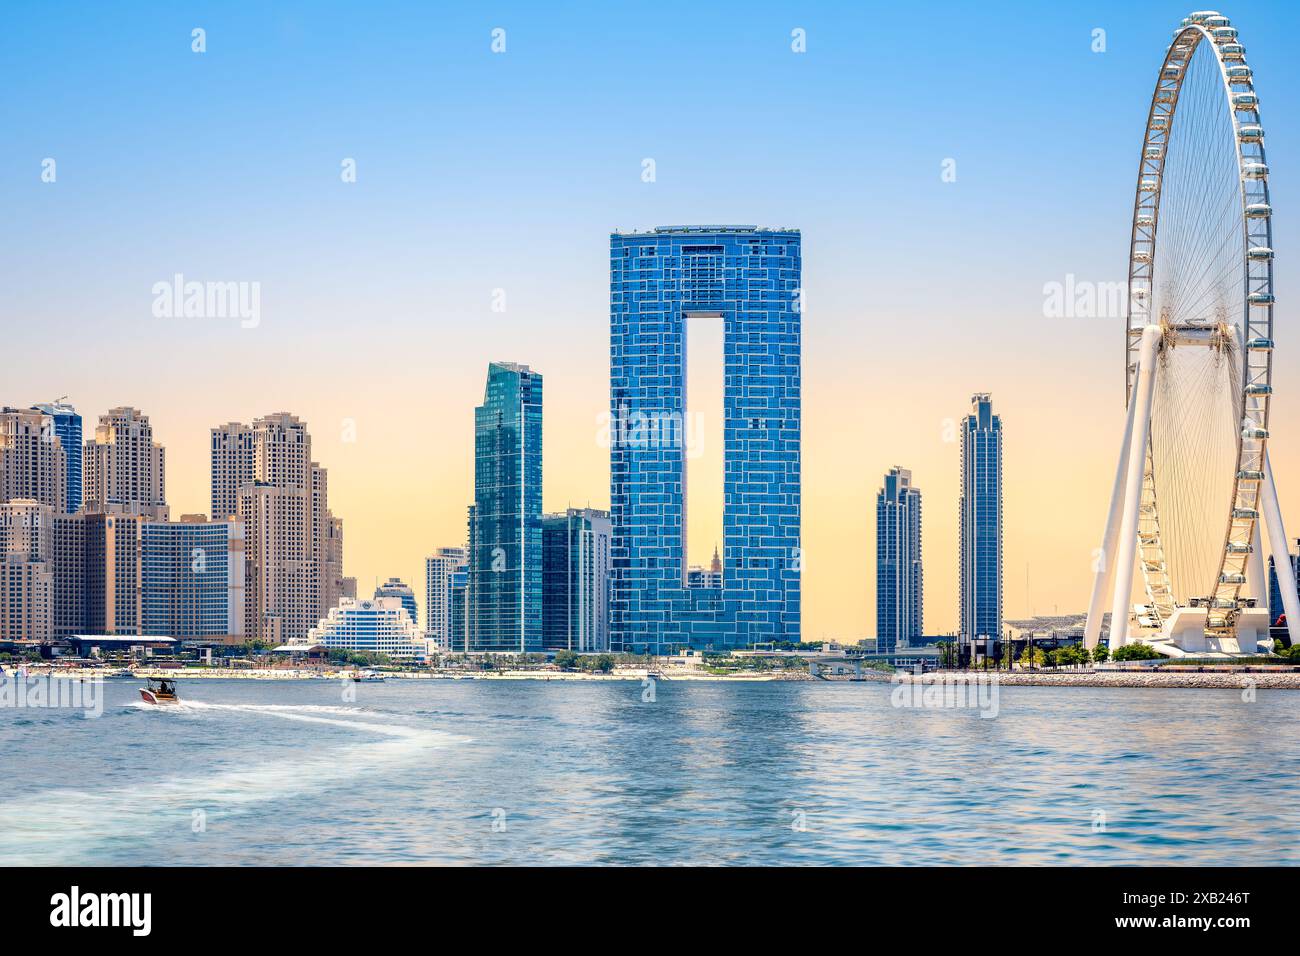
{"type": "Point", "coordinates": [159, 691]}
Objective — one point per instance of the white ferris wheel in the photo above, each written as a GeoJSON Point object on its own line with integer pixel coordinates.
{"type": "Point", "coordinates": [1194, 483]}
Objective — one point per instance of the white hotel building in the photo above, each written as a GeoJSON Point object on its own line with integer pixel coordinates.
{"type": "Point", "coordinates": [377, 625]}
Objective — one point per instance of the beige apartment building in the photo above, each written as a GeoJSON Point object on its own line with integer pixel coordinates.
{"type": "Point", "coordinates": [123, 468]}
{"type": "Point", "coordinates": [26, 570]}
{"type": "Point", "coordinates": [33, 463]}
{"type": "Point", "coordinates": [264, 474]}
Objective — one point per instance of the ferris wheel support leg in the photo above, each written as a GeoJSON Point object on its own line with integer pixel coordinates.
{"type": "Point", "coordinates": [1126, 549]}
{"type": "Point", "coordinates": [1281, 557]}
{"type": "Point", "coordinates": [1105, 562]}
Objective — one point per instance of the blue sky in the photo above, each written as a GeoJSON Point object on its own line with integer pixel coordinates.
{"type": "Point", "coordinates": [481, 171]}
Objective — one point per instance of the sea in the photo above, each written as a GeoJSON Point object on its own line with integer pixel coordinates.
{"type": "Point", "coordinates": [498, 772]}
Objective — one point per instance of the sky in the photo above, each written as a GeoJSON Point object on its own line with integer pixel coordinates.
{"type": "Point", "coordinates": [945, 164]}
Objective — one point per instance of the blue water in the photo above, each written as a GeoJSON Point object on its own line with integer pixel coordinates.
{"type": "Point", "coordinates": [250, 772]}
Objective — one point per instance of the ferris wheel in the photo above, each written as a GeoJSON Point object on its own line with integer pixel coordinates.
{"type": "Point", "coordinates": [1194, 482]}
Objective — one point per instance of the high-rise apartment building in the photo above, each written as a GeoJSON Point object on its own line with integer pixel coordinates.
{"type": "Point", "coordinates": [33, 462]}
{"type": "Point", "coordinates": [439, 568]}
{"type": "Point", "coordinates": [70, 557]}
{"type": "Point", "coordinates": [27, 528]}
{"type": "Point", "coordinates": [280, 605]}
{"type": "Point", "coordinates": [575, 580]}
{"type": "Point", "coordinates": [898, 562]}
{"type": "Point", "coordinates": [505, 546]}
{"type": "Point", "coordinates": [112, 575]}
{"type": "Point", "coordinates": [26, 599]}
{"type": "Point", "coordinates": [123, 468]}
{"type": "Point", "coordinates": [264, 474]}
{"type": "Point", "coordinates": [192, 578]}
{"type": "Point", "coordinates": [151, 577]}
{"type": "Point", "coordinates": [980, 554]}
{"type": "Point", "coordinates": [234, 464]}
{"type": "Point", "coordinates": [748, 280]}
{"type": "Point", "coordinates": [26, 570]}
{"type": "Point", "coordinates": [67, 427]}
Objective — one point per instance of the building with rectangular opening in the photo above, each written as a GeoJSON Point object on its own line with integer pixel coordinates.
{"type": "Point", "coordinates": [749, 280]}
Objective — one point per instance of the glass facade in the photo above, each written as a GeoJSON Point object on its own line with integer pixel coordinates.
{"type": "Point", "coordinates": [505, 563]}
{"type": "Point", "coordinates": [191, 579]}
{"type": "Point", "coordinates": [458, 610]}
{"type": "Point", "coordinates": [1276, 610]}
{"type": "Point", "coordinates": [749, 280]}
{"type": "Point", "coordinates": [67, 428]}
{"type": "Point", "coordinates": [575, 580]}
{"type": "Point", "coordinates": [898, 562]}
{"type": "Point", "coordinates": [981, 522]}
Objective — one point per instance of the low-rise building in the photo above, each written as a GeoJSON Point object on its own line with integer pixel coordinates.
{"type": "Point", "coordinates": [381, 626]}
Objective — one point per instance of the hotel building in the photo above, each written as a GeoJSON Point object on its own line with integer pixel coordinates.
{"type": "Point", "coordinates": [663, 283]}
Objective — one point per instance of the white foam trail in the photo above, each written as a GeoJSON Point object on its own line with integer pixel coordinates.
{"type": "Point", "coordinates": [64, 825]}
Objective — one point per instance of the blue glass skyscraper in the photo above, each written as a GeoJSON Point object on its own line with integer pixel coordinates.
{"type": "Point", "coordinates": [749, 280]}
{"type": "Point", "coordinates": [981, 522]}
{"type": "Point", "coordinates": [1276, 610]}
{"type": "Point", "coordinates": [898, 562]}
{"type": "Point", "coordinates": [67, 427]}
{"type": "Point", "coordinates": [505, 533]}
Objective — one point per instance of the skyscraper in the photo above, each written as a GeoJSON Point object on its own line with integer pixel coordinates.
{"type": "Point", "coordinates": [396, 588]}
{"type": "Point", "coordinates": [575, 580]}
{"type": "Point", "coordinates": [898, 562]}
{"type": "Point", "coordinates": [26, 570]}
{"type": "Point", "coordinates": [192, 578]}
{"type": "Point", "coordinates": [458, 611]}
{"type": "Point", "coordinates": [980, 599]}
{"type": "Point", "coordinates": [264, 474]}
{"type": "Point", "coordinates": [33, 462]}
{"type": "Point", "coordinates": [112, 577]}
{"type": "Point", "coordinates": [748, 280]}
{"type": "Point", "coordinates": [234, 464]}
{"type": "Point", "coordinates": [124, 469]}
{"type": "Point", "coordinates": [67, 426]}
{"type": "Point", "coordinates": [439, 568]}
{"type": "Point", "coordinates": [70, 574]}
{"type": "Point", "coordinates": [1276, 610]}
{"type": "Point", "coordinates": [505, 560]}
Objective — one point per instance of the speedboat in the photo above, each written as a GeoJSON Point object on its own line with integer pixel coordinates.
{"type": "Point", "coordinates": [159, 691]}
{"type": "Point", "coordinates": [366, 676]}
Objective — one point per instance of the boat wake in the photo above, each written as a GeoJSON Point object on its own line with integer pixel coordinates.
{"type": "Point", "coordinates": [67, 825]}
